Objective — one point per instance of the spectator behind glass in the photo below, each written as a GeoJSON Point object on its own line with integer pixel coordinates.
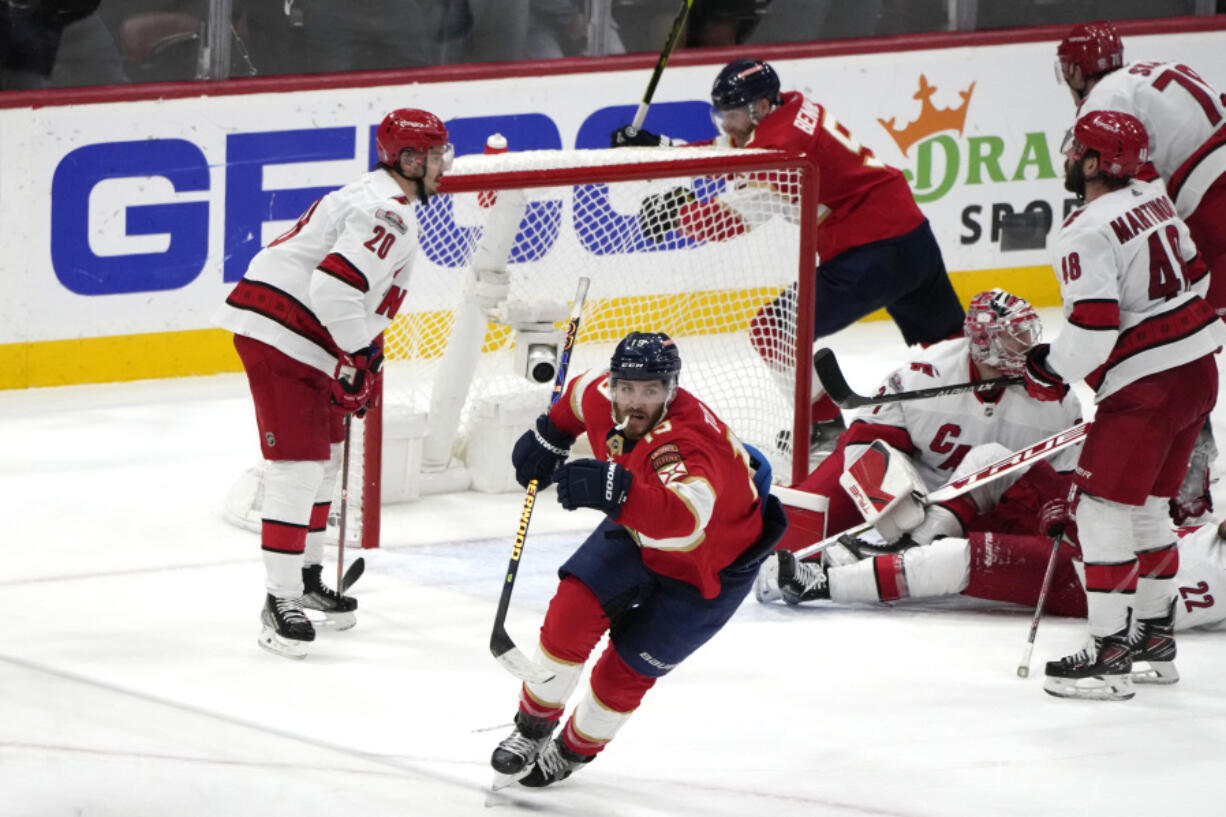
{"type": "Point", "coordinates": [532, 29]}
{"type": "Point", "coordinates": [645, 23]}
{"type": "Point", "coordinates": [354, 35]}
{"type": "Point", "coordinates": [30, 38]}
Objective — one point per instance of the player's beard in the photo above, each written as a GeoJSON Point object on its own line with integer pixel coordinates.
{"type": "Point", "coordinates": [636, 425]}
{"type": "Point", "coordinates": [1074, 178]}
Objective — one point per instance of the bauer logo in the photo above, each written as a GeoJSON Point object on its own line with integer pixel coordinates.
{"type": "Point", "coordinates": [942, 154]}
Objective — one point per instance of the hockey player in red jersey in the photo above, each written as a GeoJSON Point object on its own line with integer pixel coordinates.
{"type": "Point", "coordinates": [1142, 336]}
{"type": "Point", "coordinates": [306, 318]}
{"type": "Point", "coordinates": [689, 519]}
{"type": "Point", "coordinates": [1185, 118]}
{"type": "Point", "coordinates": [875, 247]}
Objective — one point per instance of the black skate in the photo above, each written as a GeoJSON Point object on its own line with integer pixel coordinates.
{"type": "Point", "coordinates": [514, 756]}
{"type": "Point", "coordinates": [338, 610]}
{"type": "Point", "coordinates": [862, 549]}
{"type": "Point", "coordinates": [287, 630]}
{"type": "Point", "coordinates": [823, 437]}
{"type": "Point", "coordinates": [801, 580]}
{"type": "Point", "coordinates": [555, 762]}
{"type": "Point", "coordinates": [1100, 672]}
{"type": "Point", "coordinates": [1154, 643]}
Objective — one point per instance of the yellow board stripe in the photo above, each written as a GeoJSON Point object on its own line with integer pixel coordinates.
{"type": "Point", "coordinates": [211, 351]}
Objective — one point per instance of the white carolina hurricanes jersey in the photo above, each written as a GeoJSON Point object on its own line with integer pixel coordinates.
{"type": "Point", "coordinates": [334, 280]}
{"type": "Point", "coordinates": [944, 429]}
{"type": "Point", "coordinates": [1132, 286]}
{"type": "Point", "coordinates": [1200, 595]}
{"type": "Point", "coordinates": [1179, 110]}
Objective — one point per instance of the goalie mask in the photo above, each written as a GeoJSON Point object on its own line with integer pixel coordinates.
{"type": "Point", "coordinates": [1002, 328]}
{"type": "Point", "coordinates": [639, 359]}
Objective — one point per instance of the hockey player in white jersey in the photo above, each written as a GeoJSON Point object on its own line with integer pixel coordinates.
{"type": "Point", "coordinates": [1010, 568]}
{"type": "Point", "coordinates": [307, 317]}
{"type": "Point", "coordinates": [1143, 337]}
{"type": "Point", "coordinates": [1185, 118]}
{"type": "Point", "coordinates": [930, 439]}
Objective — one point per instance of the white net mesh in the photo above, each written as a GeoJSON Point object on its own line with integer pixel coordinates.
{"type": "Point", "coordinates": [699, 266]}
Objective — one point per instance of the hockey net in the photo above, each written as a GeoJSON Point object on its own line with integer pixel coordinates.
{"type": "Point", "coordinates": [463, 378]}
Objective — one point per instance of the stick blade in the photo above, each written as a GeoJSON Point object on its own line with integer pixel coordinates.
{"type": "Point", "coordinates": [831, 377]}
{"type": "Point", "coordinates": [515, 662]}
{"type": "Point", "coordinates": [354, 573]}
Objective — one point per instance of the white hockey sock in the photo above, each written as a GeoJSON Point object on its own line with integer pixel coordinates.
{"type": "Point", "coordinates": [283, 574]}
{"type": "Point", "coordinates": [549, 699]}
{"type": "Point", "coordinates": [289, 492]}
{"type": "Point", "coordinates": [1106, 534]}
{"type": "Point", "coordinates": [1157, 557]}
{"type": "Point", "coordinates": [594, 724]}
{"type": "Point", "coordinates": [316, 539]}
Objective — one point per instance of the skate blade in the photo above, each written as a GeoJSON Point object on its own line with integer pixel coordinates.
{"type": "Point", "coordinates": [285, 647]}
{"type": "Point", "coordinates": [766, 585]}
{"type": "Point", "coordinates": [331, 621]}
{"type": "Point", "coordinates": [1159, 672]}
{"type": "Point", "coordinates": [1094, 688]}
{"type": "Point", "coordinates": [501, 781]}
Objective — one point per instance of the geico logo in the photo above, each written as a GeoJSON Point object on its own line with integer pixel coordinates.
{"type": "Point", "coordinates": [140, 216]}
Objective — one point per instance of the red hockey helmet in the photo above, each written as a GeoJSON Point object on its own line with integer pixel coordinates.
{"type": "Point", "coordinates": [1095, 48]}
{"type": "Point", "coordinates": [408, 129]}
{"type": "Point", "coordinates": [1001, 327]}
{"type": "Point", "coordinates": [1119, 138]}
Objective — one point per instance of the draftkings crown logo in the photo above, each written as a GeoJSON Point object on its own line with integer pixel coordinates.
{"type": "Point", "coordinates": [931, 119]}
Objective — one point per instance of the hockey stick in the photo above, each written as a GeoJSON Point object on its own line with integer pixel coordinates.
{"type": "Point", "coordinates": [835, 384]}
{"type": "Point", "coordinates": [340, 542]}
{"type": "Point", "coordinates": [1023, 667]}
{"type": "Point", "coordinates": [501, 645]}
{"type": "Point", "coordinates": [673, 35]}
{"type": "Point", "coordinates": [354, 573]}
{"type": "Point", "coordinates": [956, 487]}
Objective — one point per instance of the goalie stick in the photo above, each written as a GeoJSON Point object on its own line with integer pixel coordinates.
{"type": "Point", "coordinates": [835, 384]}
{"type": "Point", "coordinates": [955, 487]}
{"type": "Point", "coordinates": [501, 645]}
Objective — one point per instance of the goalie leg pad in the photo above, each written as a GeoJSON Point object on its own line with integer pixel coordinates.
{"type": "Point", "coordinates": [885, 486]}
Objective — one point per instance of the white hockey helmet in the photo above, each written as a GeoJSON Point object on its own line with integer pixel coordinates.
{"type": "Point", "coordinates": [1002, 328]}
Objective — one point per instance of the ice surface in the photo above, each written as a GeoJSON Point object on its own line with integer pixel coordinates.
{"type": "Point", "coordinates": [131, 684]}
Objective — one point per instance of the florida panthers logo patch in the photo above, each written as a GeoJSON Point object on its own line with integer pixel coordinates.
{"type": "Point", "coordinates": [668, 464]}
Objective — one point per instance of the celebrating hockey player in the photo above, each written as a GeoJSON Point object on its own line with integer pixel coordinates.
{"type": "Point", "coordinates": [306, 317]}
{"type": "Point", "coordinates": [876, 247]}
{"type": "Point", "coordinates": [1185, 118]}
{"type": "Point", "coordinates": [926, 442]}
{"type": "Point", "coordinates": [1140, 334]}
{"type": "Point", "coordinates": [689, 519]}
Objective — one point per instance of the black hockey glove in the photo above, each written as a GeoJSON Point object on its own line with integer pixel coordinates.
{"type": "Point", "coordinates": [658, 214]}
{"type": "Point", "coordinates": [539, 451]}
{"type": "Point", "coordinates": [593, 484]}
{"type": "Point", "coordinates": [630, 136]}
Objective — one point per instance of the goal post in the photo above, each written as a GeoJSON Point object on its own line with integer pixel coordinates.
{"type": "Point", "coordinates": [729, 273]}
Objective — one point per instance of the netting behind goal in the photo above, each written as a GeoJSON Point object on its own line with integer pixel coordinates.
{"type": "Point", "coordinates": [467, 373]}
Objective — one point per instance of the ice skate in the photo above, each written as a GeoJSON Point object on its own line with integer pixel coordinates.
{"type": "Point", "coordinates": [286, 631]}
{"type": "Point", "coordinates": [338, 610]}
{"type": "Point", "coordinates": [1154, 644]}
{"type": "Point", "coordinates": [801, 580]}
{"type": "Point", "coordinates": [1102, 671]}
{"type": "Point", "coordinates": [766, 586]}
{"type": "Point", "coordinates": [555, 762]}
{"type": "Point", "coordinates": [823, 437]}
{"type": "Point", "coordinates": [513, 757]}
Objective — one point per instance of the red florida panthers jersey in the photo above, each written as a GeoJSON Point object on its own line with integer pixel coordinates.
{"type": "Point", "coordinates": [860, 198]}
{"type": "Point", "coordinates": [692, 506]}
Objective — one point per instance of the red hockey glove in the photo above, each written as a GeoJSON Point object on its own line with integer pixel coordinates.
{"type": "Point", "coordinates": [1054, 516]}
{"type": "Point", "coordinates": [355, 378]}
{"type": "Point", "coordinates": [1041, 382]}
